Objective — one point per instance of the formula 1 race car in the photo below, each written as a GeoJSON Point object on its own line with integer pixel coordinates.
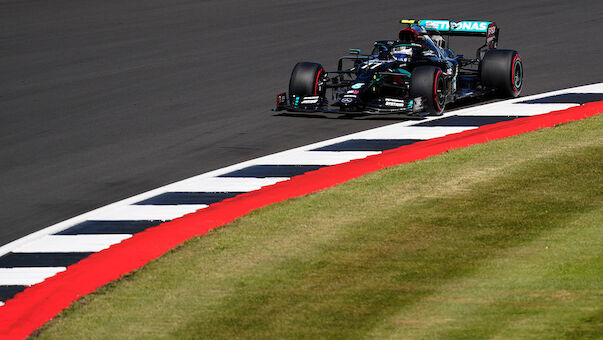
{"type": "Point", "coordinates": [416, 74]}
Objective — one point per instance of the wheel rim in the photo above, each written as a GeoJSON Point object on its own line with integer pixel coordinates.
{"type": "Point", "coordinates": [438, 92]}
{"type": "Point", "coordinates": [317, 81]}
{"type": "Point", "coordinates": [517, 74]}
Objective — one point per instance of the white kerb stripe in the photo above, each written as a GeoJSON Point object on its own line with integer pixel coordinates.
{"type": "Point", "coordinates": [411, 132]}
{"type": "Point", "coordinates": [71, 243]}
{"type": "Point", "coordinates": [316, 157]}
{"type": "Point", "coordinates": [26, 276]}
{"type": "Point", "coordinates": [145, 212]}
{"type": "Point", "coordinates": [510, 109]}
{"type": "Point", "coordinates": [220, 184]}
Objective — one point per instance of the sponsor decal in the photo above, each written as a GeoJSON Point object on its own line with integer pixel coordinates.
{"type": "Point", "coordinates": [491, 36]}
{"type": "Point", "coordinates": [462, 26]}
{"type": "Point", "coordinates": [417, 104]}
{"type": "Point", "coordinates": [357, 86]}
{"type": "Point", "coordinates": [473, 26]}
{"type": "Point", "coordinates": [439, 25]}
{"type": "Point", "coordinates": [310, 100]}
{"type": "Point", "coordinates": [281, 99]}
{"type": "Point", "coordinates": [353, 92]}
{"type": "Point", "coordinates": [395, 102]}
{"type": "Point", "coordinates": [491, 30]}
{"type": "Point", "coordinates": [347, 100]}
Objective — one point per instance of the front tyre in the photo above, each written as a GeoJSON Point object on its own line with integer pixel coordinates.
{"type": "Point", "coordinates": [305, 80]}
{"type": "Point", "coordinates": [502, 71]}
{"type": "Point", "coordinates": [428, 83]}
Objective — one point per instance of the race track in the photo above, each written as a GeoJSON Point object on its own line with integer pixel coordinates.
{"type": "Point", "coordinates": [103, 100]}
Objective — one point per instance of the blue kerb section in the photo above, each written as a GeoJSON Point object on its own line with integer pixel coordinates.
{"type": "Point", "coordinates": [566, 98]}
{"type": "Point", "coordinates": [8, 292]}
{"type": "Point", "coordinates": [173, 198]}
{"type": "Point", "coordinates": [367, 145]}
{"type": "Point", "coordinates": [15, 260]}
{"type": "Point", "coordinates": [264, 171]}
{"type": "Point", "coordinates": [467, 120]}
{"type": "Point", "coordinates": [109, 227]}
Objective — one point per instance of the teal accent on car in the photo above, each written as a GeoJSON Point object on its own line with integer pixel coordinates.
{"type": "Point", "coordinates": [402, 72]}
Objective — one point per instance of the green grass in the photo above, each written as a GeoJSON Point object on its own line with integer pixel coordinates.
{"type": "Point", "coordinates": [499, 240]}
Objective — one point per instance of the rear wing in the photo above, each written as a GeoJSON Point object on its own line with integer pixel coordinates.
{"type": "Point", "coordinates": [466, 28]}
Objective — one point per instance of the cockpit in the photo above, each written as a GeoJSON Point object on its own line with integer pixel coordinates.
{"type": "Point", "coordinates": [402, 48]}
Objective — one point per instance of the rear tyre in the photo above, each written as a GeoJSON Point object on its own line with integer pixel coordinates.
{"type": "Point", "coordinates": [305, 80]}
{"type": "Point", "coordinates": [428, 82]}
{"type": "Point", "coordinates": [502, 71]}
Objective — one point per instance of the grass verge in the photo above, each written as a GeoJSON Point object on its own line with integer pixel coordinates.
{"type": "Point", "coordinates": [499, 240]}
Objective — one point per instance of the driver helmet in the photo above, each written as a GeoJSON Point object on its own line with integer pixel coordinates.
{"type": "Point", "coordinates": [402, 52]}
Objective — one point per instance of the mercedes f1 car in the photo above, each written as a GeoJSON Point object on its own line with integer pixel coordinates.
{"type": "Point", "coordinates": [416, 74]}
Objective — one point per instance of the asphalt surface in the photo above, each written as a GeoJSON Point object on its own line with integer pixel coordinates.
{"type": "Point", "coordinates": [101, 100]}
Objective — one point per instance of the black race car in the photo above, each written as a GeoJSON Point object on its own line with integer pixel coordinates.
{"type": "Point", "coordinates": [416, 74]}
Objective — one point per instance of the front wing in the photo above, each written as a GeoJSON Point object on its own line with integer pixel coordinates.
{"type": "Point", "coordinates": [312, 104]}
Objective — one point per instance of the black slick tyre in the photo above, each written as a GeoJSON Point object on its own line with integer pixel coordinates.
{"type": "Point", "coordinates": [428, 83]}
{"type": "Point", "coordinates": [305, 79]}
{"type": "Point", "coordinates": [502, 71]}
